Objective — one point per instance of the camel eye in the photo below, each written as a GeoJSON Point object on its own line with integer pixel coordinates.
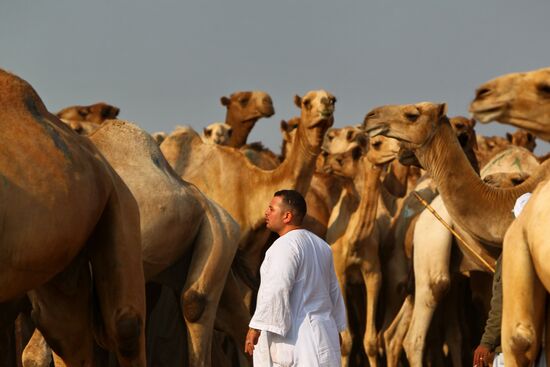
{"type": "Point", "coordinates": [376, 144]}
{"type": "Point", "coordinates": [544, 89]}
{"type": "Point", "coordinates": [243, 102]}
{"type": "Point", "coordinates": [307, 103]}
{"type": "Point", "coordinates": [412, 117]}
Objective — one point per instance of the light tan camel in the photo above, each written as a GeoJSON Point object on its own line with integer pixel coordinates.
{"type": "Point", "coordinates": [244, 109]}
{"type": "Point", "coordinates": [479, 209]}
{"type": "Point", "coordinates": [353, 230]}
{"type": "Point", "coordinates": [79, 210]}
{"type": "Point", "coordinates": [526, 281]}
{"type": "Point", "coordinates": [177, 221]}
{"type": "Point", "coordinates": [217, 133]}
{"type": "Point", "coordinates": [212, 169]}
{"type": "Point", "coordinates": [432, 253]}
{"type": "Point", "coordinates": [518, 99]}
{"type": "Point", "coordinates": [400, 240]}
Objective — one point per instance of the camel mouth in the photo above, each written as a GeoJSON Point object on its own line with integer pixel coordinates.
{"type": "Point", "coordinates": [325, 114]}
{"type": "Point", "coordinates": [488, 114]}
{"type": "Point", "coordinates": [376, 130]}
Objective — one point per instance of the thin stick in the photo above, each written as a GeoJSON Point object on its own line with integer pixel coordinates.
{"type": "Point", "coordinates": [458, 237]}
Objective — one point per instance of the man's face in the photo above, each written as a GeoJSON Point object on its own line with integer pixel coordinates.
{"type": "Point", "coordinates": [275, 214]}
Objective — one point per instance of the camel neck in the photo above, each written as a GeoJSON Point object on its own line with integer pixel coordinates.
{"type": "Point", "coordinates": [240, 129]}
{"type": "Point", "coordinates": [297, 169]}
{"type": "Point", "coordinates": [482, 210]}
{"type": "Point", "coordinates": [367, 182]}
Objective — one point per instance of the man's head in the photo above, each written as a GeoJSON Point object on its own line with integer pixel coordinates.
{"type": "Point", "coordinates": [286, 211]}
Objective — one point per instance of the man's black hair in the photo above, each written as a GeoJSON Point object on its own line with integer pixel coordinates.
{"type": "Point", "coordinates": [296, 202]}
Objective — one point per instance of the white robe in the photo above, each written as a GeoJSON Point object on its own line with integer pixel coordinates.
{"type": "Point", "coordinates": [300, 308]}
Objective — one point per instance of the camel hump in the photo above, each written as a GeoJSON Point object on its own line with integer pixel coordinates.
{"type": "Point", "coordinates": [20, 96]}
{"type": "Point", "coordinates": [127, 141]}
{"type": "Point", "coordinates": [513, 159]}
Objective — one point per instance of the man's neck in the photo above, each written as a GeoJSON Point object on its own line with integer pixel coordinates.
{"type": "Point", "coordinates": [287, 229]}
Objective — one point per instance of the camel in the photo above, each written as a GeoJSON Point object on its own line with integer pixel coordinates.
{"type": "Point", "coordinates": [353, 232]}
{"type": "Point", "coordinates": [61, 187]}
{"type": "Point", "coordinates": [481, 210]}
{"type": "Point", "coordinates": [488, 146]}
{"type": "Point", "coordinates": [432, 251]}
{"type": "Point", "coordinates": [244, 195]}
{"type": "Point", "coordinates": [177, 221]}
{"type": "Point", "coordinates": [396, 320]}
{"type": "Point", "coordinates": [86, 119]}
{"type": "Point", "coordinates": [518, 99]}
{"type": "Point", "coordinates": [244, 109]}
{"type": "Point", "coordinates": [217, 133]}
{"type": "Point", "coordinates": [96, 113]}
{"type": "Point", "coordinates": [526, 281]}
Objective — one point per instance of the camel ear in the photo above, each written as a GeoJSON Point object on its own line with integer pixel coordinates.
{"type": "Point", "coordinates": [207, 132]}
{"type": "Point", "coordinates": [225, 101]}
{"type": "Point", "coordinates": [284, 126]}
{"type": "Point", "coordinates": [350, 135]}
{"type": "Point", "coordinates": [442, 109]}
{"type": "Point", "coordinates": [509, 137]}
{"type": "Point", "coordinates": [298, 101]}
{"type": "Point", "coordinates": [362, 140]}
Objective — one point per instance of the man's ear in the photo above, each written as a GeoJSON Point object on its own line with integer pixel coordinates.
{"type": "Point", "coordinates": [288, 217]}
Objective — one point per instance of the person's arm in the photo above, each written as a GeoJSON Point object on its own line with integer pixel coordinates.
{"type": "Point", "coordinates": [491, 336]}
{"type": "Point", "coordinates": [278, 274]}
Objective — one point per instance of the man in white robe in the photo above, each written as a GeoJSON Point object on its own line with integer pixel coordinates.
{"type": "Point", "coordinates": [300, 310]}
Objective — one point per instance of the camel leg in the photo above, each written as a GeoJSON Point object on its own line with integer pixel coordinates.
{"type": "Point", "coordinates": [372, 278]}
{"type": "Point", "coordinates": [431, 259]}
{"type": "Point", "coordinates": [119, 282]}
{"type": "Point", "coordinates": [523, 301]}
{"type": "Point", "coordinates": [339, 258]}
{"type": "Point", "coordinates": [215, 248]}
{"type": "Point", "coordinates": [61, 311]}
{"type": "Point", "coordinates": [233, 317]}
{"type": "Point", "coordinates": [37, 353]}
{"type": "Point", "coordinates": [395, 333]}
{"type": "Point", "coordinates": [453, 331]}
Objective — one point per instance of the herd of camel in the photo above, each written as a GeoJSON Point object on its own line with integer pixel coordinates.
{"type": "Point", "coordinates": [120, 247]}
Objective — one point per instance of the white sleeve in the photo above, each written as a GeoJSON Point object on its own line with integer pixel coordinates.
{"type": "Point", "coordinates": [278, 273]}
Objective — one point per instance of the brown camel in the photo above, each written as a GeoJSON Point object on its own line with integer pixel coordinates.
{"type": "Point", "coordinates": [79, 210]}
{"type": "Point", "coordinates": [354, 233]}
{"type": "Point", "coordinates": [96, 113]}
{"type": "Point", "coordinates": [213, 168]}
{"type": "Point", "coordinates": [177, 222]}
{"type": "Point", "coordinates": [488, 146]}
{"type": "Point", "coordinates": [244, 109]}
{"type": "Point", "coordinates": [481, 210]}
{"type": "Point", "coordinates": [518, 99]}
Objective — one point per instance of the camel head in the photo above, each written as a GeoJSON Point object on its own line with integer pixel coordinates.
{"type": "Point", "coordinates": [288, 131]}
{"type": "Point", "coordinates": [522, 138]}
{"type": "Point", "coordinates": [317, 114]}
{"type": "Point", "coordinates": [244, 109]}
{"type": "Point", "coordinates": [382, 150]}
{"type": "Point", "coordinates": [413, 125]}
{"type": "Point", "coordinates": [96, 113]}
{"type": "Point", "coordinates": [217, 133]}
{"type": "Point", "coordinates": [464, 130]}
{"type": "Point", "coordinates": [518, 99]}
{"type": "Point", "coordinates": [342, 150]}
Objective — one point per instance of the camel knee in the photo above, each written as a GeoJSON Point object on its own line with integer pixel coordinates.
{"type": "Point", "coordinates": [522, 338]}
{"type": "Point", "coordinates": [439, 286]}
{"type": "Point", "coordinates": [194, 304]}
{"type": "Point", "coordinates": [128, 328]}
{"type": "Point", "coordinates": [371, 347]}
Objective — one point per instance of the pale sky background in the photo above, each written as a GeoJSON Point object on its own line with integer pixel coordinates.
{"type": "Point", "coordinates": [165, 63]}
